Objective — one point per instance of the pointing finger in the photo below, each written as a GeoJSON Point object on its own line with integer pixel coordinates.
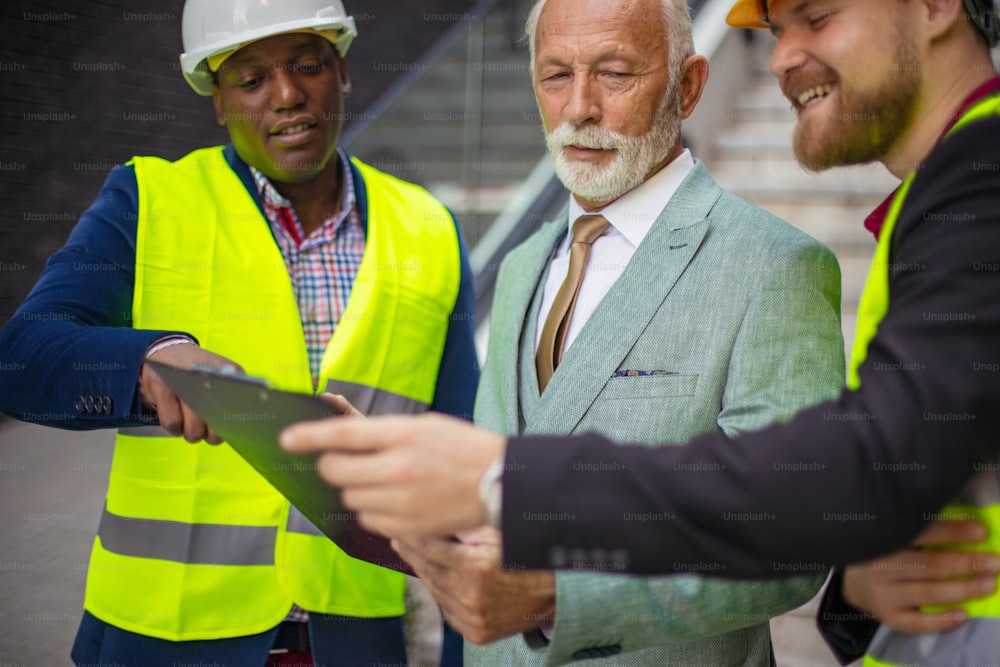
{"type": "Point", "coordinates": [382, 468]}
{"type": "Point", "coordinates": [951, 531]}
{"type": "Point", "coordinates": [342, 434]}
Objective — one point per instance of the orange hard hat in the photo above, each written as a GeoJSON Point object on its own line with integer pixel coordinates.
{"type": "Point", "coordinates": [748, 14]}
{"type": "Point", "coordinates": [982, 13]}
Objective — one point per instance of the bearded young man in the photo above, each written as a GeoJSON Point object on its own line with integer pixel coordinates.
{"type": "Point", "coordinates": [695, 312]}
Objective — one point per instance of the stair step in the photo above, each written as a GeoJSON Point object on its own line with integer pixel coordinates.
{"type": "Point", "coordinates": [784, 179]}
{"type": "Point", "coordinates": [763, 103]}
{"type": "Point", "coordinates": [768, 139]}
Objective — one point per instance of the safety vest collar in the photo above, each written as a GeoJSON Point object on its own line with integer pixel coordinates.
{"type": "Point", "coordinates": [874, 301]}
{"type": "Point", "coordinates": [242, 171]}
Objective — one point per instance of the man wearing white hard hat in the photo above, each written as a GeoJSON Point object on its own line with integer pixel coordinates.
{"type": "Point", "coordinates": [278, 253]}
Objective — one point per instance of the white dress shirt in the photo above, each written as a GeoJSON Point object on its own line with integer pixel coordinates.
{"type": "Point", "coordinates": [631, 216]}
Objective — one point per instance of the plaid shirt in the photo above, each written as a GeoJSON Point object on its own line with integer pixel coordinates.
{"type": "Point", "coordinates": [323, 265]}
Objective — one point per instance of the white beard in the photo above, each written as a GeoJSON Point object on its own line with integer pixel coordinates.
{"type": "Point", "coordinates": [631, 163]}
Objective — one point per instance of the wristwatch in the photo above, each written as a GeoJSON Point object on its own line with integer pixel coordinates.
{"type": "Point", "coordinates": [491, 491]}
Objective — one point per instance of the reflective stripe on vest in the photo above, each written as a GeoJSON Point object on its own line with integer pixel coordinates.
{"type": "Point", "coordinates": [874, 302]}
{"type": "Point", "coordinates": [974, 644]}
{"type": "Point", "coordinates": [978, 641]}
{"type": "Point", "coordinates": [181, 552]}
{"type": "Point", "coordinates": [298, 523]}
{"type": "Point", "coordinates": [206, 544]}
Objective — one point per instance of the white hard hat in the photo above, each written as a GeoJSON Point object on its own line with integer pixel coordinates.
{"type": "Point", "coordinates": [213, 27]}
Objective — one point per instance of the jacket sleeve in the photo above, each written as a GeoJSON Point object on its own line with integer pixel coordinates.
{"type": "Point", "coordinates": [458, 375]}
{"type": "Point", "coordinates": [888, 456]}
{"type": "Point", "coordinates": [75, 358]}
{"type": "Point", "coordinates": [789, 353]}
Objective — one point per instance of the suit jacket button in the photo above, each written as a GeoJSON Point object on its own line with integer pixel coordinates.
{"type": "Point", "coordinates": [88, 403]}
{"type": "Point", "coordinates": [107, 405]}
{"type": "Point", "coordinates": [597, 652]}
{"type": "Point", "coordinates": [79, 404]}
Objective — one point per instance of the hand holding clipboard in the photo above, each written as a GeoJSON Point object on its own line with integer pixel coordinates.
{"type": "Point", "coordinates": [249, 416]}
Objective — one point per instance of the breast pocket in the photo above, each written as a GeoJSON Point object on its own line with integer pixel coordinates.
{"type": "Point", "coordinates": [649, 386]}
{"type": "Point", "coordinates": [652, 409]}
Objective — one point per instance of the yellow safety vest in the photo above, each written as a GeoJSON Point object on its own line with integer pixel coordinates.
{"type": "Point", "coordinates": [193, 543]}
{"type": "Point", "coordinates": [976, 642]}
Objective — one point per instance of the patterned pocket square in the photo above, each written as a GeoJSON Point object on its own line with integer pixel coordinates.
{"type": "Point", "coordinates": [639, 374]}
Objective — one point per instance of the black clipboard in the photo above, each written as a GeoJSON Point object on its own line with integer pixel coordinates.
{"type": "Point", "coordinates": [249, 415]}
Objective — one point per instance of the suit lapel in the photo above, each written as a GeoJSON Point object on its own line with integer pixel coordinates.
{"type": "Point", "coordinates": [625, 312]}
{"type": "Point", "coordinates": [527, 266]}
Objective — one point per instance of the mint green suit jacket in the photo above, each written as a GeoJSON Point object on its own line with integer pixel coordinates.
{"type": "Point", "coordinates": [743, 313]}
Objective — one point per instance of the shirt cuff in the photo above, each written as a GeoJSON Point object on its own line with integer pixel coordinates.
{"type": "Point", "coordinates": [846, 630]}
{"type": "Point", "coordinates": [167, 341]}
{"type": "Point", "coordinates": [537, 638]}
{"type": "Point", "coordinates": [491, 492]}
{"type": "Point", "coordinates": [139, 406]}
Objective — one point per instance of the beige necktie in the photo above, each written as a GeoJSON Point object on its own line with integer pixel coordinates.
{"type": "Point", "coordinates": [586, 230]}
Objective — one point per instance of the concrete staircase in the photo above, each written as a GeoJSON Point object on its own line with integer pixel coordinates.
{"type": "Point", "coordinates": [751, 156]}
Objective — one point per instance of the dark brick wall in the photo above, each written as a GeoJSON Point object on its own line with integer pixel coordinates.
{"type": "Point", "coordinates": [86, 85]}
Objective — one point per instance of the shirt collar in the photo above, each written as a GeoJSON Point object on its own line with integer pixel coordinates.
{"type": "Point", "coordinates": [270, 195]}
{"type": "Point", "coordinates": [634, 213]}
{"type": "Point", "coordinates": [876, 219]}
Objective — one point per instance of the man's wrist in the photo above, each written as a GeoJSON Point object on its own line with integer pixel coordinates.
{"type": "Point", "coordinates": [145, 408]}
